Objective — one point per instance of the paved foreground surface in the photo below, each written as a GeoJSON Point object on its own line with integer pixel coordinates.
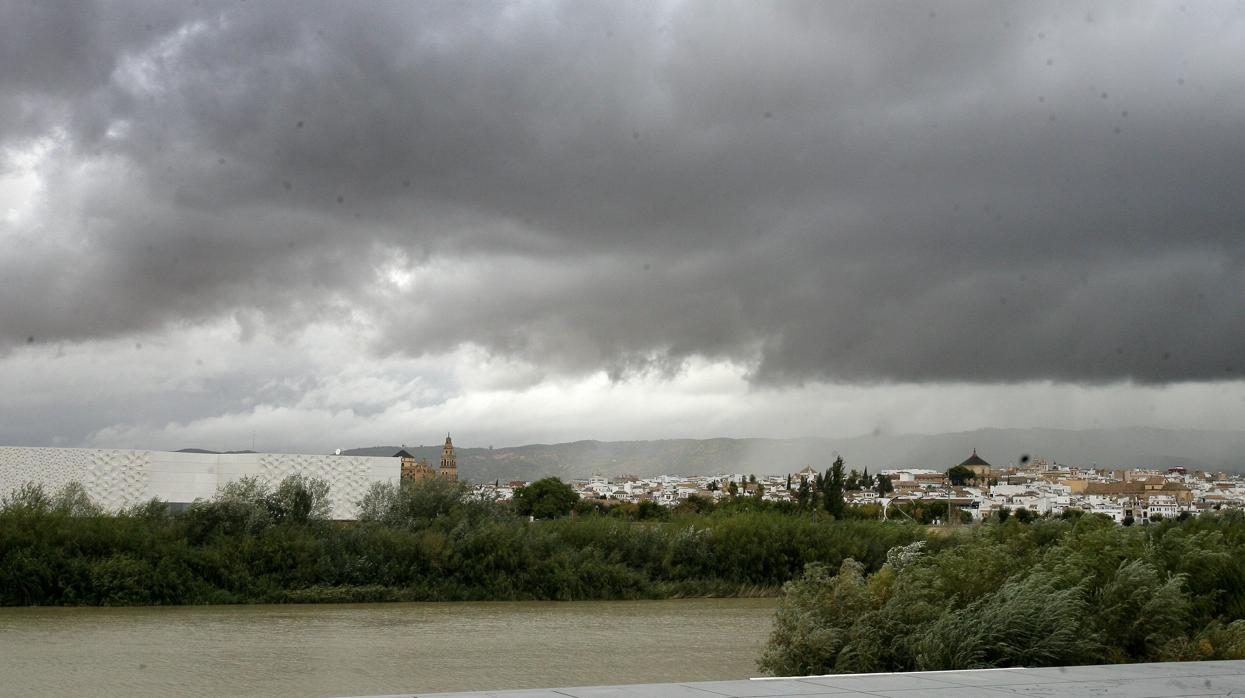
{"type": "Point", "coordinates": [1132, 680]}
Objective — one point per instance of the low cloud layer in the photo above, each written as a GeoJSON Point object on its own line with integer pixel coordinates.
{"type": "Point", "coordinates": [308, 391]}
{"type": "Point", "coordinates": [863, 193]}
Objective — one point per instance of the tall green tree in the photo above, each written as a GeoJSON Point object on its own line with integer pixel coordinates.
{"type": "Point", "coordinates": [547, 498]}
{"type": "Point", "coordinates": [884, 485]}
{"type": "Point", "coordinates": [853, 481]}
{"type": "Point", "coordinates": [834, 489]}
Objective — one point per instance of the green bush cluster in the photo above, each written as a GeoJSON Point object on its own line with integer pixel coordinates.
{"type": "Point", "coordinates": [427, 540]}
{"type": "Point", "coordinates": [1055, 592]}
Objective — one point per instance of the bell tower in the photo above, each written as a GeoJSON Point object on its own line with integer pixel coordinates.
{"type": "Point", "coordinates": [449, 462]}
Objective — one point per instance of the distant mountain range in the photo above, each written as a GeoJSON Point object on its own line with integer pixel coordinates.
{"type": "Point", "coordinates": [1133, 447]}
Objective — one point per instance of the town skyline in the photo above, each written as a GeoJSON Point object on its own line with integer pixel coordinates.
{"type": "Point", "coordinates": [1132, 447]}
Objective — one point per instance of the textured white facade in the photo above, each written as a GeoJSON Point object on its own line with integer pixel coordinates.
{"type": "Point", "coordinates": [116, 478]}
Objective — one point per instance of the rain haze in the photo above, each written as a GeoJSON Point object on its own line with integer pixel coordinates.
{"type": "Point", "coordinates": [302, 226]}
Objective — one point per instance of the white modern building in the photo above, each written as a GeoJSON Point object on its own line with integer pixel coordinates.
{"type": "Point", "coordinates": [116, 478]}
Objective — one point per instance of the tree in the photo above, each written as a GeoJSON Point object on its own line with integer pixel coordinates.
{"type": "Point", "coordinates": [239, 505]}
{"type": "Point", "coordinates": [73, 500]}
{"type": "Point", "coordinates": [413, 503]}
{"type": "Point", "coordinates": [244, 490]}
{"type": "Point", "coordinates": [834, 489]}
{"type": "Point", "coordinates": [853, 481]}
{"type": "Point", "coordinates": [589, 507]}
{"type": "Point", "coordinates": [804, 494]}
{"type": "Point", "coordinates": [651, 511]}
{"type": "Point", "coordinates": [884, 485]}
{"type": "Point", "coordinates": [29, 496]}
{"type": "Point", "coordinates": [695, 504]}
{"type": "Point", "coordinates": [300, 499]}
{"type": "Point", "coordinates": [547, 498]}
{"type": "Point", "coordinates": [959, 475]}
{"type": "Point", "coordinates": [732, 489]}
{"type": "Point", "coordinates": [377, 503]}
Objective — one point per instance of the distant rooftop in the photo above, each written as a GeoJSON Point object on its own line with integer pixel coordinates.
{"type": "Point", "coordinates": [1169, 680]}
{"type": "Point", "coordinates": [974, 460]}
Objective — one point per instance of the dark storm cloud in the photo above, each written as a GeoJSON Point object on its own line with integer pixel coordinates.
{"type": "Point", "coordinates": [823, 191]}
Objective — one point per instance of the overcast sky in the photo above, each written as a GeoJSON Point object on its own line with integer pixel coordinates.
{"type": "Point", "coordinates": [314, 225]}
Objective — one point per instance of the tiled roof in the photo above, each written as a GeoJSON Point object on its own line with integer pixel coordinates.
{"type": "Point", "coordinates": [975, 460]}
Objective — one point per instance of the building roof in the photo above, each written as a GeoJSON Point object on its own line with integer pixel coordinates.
{"type": "Point", "coordinates": [403, 454]}
{"type": "Point", "coordinates": [975, 460]}
{"type": "Point", "coordinates": [1117, 488]}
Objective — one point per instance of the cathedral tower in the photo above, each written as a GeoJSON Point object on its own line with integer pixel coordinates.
{"type": "Point", "coordinates": [449, 463]}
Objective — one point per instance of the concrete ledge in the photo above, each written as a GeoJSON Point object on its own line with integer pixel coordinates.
{"type": "Point", "coordinates": [1165, 680]}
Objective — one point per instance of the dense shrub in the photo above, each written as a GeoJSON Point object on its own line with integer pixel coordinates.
{"type": "Point", "coordinates": [426, 540]}
{"type": "Point", "coordinates": [1074, 591]}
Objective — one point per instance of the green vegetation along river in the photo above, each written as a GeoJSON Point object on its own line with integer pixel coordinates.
{"type": "Point", "coordinates": [359, 649]}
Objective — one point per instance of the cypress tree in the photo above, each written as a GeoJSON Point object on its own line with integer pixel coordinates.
{"type": "Point", "coordinates": [834, 489]}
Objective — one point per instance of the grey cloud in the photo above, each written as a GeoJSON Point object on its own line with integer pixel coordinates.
{"type": "Point", "coordinates": [846, 191]}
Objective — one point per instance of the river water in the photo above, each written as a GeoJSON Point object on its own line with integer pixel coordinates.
{"type": "Point", "coordinates": [341, 650]}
